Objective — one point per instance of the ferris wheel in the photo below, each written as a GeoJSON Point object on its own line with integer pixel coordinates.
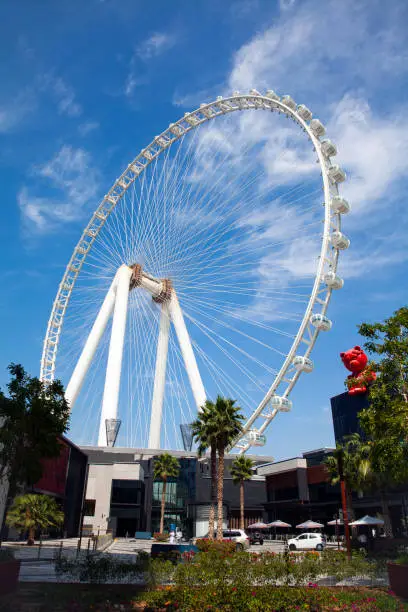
{"type": "Point", "coordinates": [207, 269]}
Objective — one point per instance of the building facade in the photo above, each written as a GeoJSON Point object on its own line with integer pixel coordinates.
{"type": "Point", "coordinates": [64, 479]}
{"type": "Point", "coordinates": [345, 409]}
{"type": "Point", "coordinates": [298, 489]}
{"type": "Point", "coordinates": [122, 496]}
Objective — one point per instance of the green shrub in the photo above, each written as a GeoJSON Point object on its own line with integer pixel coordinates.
{"type": "Point", "coordinates": [223, 546]}
{"type": "Point", "coordinates": [220, 570]}
{"type": "Point", "coordinates": [402, 559]}
{"type": "Point", "coordinates": [104, 568]}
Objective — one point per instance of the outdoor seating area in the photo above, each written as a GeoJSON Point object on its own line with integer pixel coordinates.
{"type": "Point", "coordinates": [362, 529]}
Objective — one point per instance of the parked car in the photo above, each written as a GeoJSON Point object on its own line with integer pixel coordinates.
{"type": "Point", "coordinates": [237, 535]}
{"type": "Point", "coordinates": [256, 537]}
{"type": "Point", "coordinates": [309, 541]}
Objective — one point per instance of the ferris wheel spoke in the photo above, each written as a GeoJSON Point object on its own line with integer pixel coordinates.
{"type": "Point", "coordinates": [223, 323]}
{"type": "Point", "coordinates": [210, 334]}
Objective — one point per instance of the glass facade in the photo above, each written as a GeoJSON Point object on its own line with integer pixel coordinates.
{"type": "Point", "coordinates": [179, 491]}
{"type": "Point", "coordinates": [345, 409]}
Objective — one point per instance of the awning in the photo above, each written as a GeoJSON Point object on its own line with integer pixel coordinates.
{"type": "Point", "coordinates": [367, 520]}
{"type": "Point", "coordinates": [309, 525]}
{"type": "Point", "coordinates": [279, 523]}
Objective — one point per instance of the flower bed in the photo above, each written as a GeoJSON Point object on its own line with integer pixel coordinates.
{"type": "Point", "coordinates": [276, 599]}
{"type": "Point", "coordinates": [49, 597]}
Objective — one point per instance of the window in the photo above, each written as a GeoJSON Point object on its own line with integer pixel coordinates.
{"type": "Point", "coordinates": [89, 507]}
{"type": "Point", "coordinates": [303, 537]}
{"type": "Point", "coordinates": [127, 492]}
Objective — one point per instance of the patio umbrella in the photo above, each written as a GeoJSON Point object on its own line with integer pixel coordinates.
{"type": "Point", "coordinates": [259, 525]}
{"type": "Point", "coordinates": [367, 520]}
{"type": "Point", "coordinates": [279, 523]}
{"type": "Point", "coordinates": [336, 522]}
{"type": "Point", "coordinates": [309, 525]}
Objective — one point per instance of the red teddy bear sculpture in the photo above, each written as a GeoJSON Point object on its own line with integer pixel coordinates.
{"type": "Point", "coordinates": [356, 361]}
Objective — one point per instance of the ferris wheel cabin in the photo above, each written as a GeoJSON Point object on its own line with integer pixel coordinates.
{"type": "Point", "coordinates": [283, 404]}
{"type": "Point", "coordinates": [320, 322]}
{"type": "Point", "coordinates": [303, 364]}
{"type": "Point", "coordinates": [333, 281]}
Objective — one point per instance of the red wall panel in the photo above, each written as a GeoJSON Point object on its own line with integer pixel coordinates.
{"type": "Point", "coordinates": [55, 473]}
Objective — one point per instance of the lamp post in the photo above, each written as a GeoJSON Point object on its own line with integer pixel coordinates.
{"type": "Point", "coordinates": [340, 467]}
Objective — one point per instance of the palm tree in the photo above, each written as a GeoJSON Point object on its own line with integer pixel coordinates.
{"type": "Point", "coordinates": [165, 466]}
{"type": "Point", "coordinates": [241, 471]}
{"type": "Point", "coordinates": [227, 427]}
{"type": "Point", "coordinates": [203, 429]}
{"type": "Point", "coordinates": [356, 466]}
{"type": "Point", "coordinates": [31, 512]}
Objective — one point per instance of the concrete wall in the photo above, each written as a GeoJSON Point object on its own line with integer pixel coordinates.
{"type": "Point", "coordinates": [99, 488]}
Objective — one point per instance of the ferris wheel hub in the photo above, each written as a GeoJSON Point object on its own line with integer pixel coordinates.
{"type": "Point", "coordinates": [160, 288]}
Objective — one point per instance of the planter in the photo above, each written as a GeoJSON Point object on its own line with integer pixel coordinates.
{"type": "Point", "coordinates": [171, 551]}
{"type": "Point", "coordinates": [9, 572]}
{"type": "Point", "coordinates": [398, 577]}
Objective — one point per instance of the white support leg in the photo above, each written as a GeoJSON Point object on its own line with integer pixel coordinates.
{"type": "Point", "coordinates": [159, 378]}
{"type": "Point", "coordinates": [88, 352]}
{"type": "Point", "coordinates": [193, 373]}
{"type": "Point", "coordinates": [114, 367]}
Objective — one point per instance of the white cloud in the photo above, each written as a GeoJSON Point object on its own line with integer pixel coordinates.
{"type": "Point", "coordinates": [373, 149]}
{"type": "Point", "coordinates": [87, 127]}
{"type": "Point", "coordinates": [65, 98]}
{"type": "Point", "coordinates": [70, 173]}
{"type": "Point", "coordinates": [16, 109]}
{"type": "Point", "coordinates": [285, 5]}
{"type": "Point", "coordinates": [13, 113]}
{"type": "Point", "coordinates": [315, 51]}
{"type": "Point", "coordinates": [155, 45]}
{"type": "Point", "coordinates": [334, 60]}
{"type": "Point", "coordinates": [133, 81]}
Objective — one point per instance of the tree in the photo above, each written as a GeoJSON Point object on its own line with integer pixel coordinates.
{"type": "Point", "coordinates": [165, 466]}
{"type": "Point", "coordinates": [31, 512]}
{"type": "Point", "coordinates": [204, 429]}
{"type": "Point", "coordinates": [385, 420]}
{"type": "Point", "coordinates": [241, 471]}
{"type": "Point", "coordinates": [356, 467]}
{"type": "Point", "coordinates": [228, 426]}
{"type": "Point", "coordinates": [32, 417]}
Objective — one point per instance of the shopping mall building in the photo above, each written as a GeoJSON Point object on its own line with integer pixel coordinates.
{"type": "Point", "coordinates": [113, 488]}
{"type": "Point", "coordinates": [122, 495]}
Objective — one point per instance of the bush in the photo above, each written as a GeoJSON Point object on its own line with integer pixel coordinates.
{"type": "Point", "coordinates": [224, 546]}
{"type": "Point", "coordinates": [6, 554]}
{"type": "Point", "coordinates": [103, 568]}
{"type": "Point", "coordinates": [161, 537]}
{"type": "Point", "coordinates": [402, 559]}
{"type": "Point", "coordinates": [221, 568]}
{"type": "Point", "coordinates": [278, 599]}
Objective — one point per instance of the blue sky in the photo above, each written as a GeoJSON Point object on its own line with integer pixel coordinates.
{"type": "Point", "coordinates": [86, 85]}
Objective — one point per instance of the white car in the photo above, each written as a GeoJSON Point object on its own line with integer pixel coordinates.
{"type": "Point", "coordinates": [237, 535]}
{"type": "Point", "coordinates": [307, 541]}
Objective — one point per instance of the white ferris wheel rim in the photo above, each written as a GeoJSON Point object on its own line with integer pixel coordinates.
{"type": "Point", "coordinates": [328, 259]}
